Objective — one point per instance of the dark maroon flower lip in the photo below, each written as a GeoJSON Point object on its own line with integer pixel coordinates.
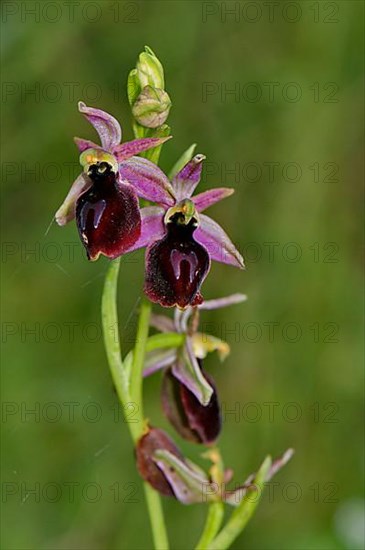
{"type": "Point", "coordinates": [192, 420]}
{"type": "Point", "coordinates": [176, 266]}
{"type": "Point", "coordinates": [107, 214]}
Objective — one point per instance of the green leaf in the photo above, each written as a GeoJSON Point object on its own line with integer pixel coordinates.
{"type": "Point", "coordinates": [133, 86]}
{"type": "Point", "coordinates": [109, 317]}
{"type": "Point", "coordinates": [139, 132]}
{"type": "Point", "coordinates": [243, 513]}
{"type": "Point", "coordinates": [161, 341]}
{"type": "Point", "coordinates": [136, 375]}
{"type": "Point", "coordinates": [165, 340]}
{"type": "Point", "coordinates": [128, 362]}
{"type": "Point", "coordinates": [154, 154]}
{"type": "Point", "coordinates": [212, 525]}
{"type": "Point", "coordinates": [184, 159]}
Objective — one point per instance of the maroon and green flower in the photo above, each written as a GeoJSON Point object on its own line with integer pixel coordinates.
{"type": "Point", "coordinates": [181, 241]}
{"type": "Point", "coordinates": [102, 200]}
{"type": "Point", "coordinates": [189, 395]}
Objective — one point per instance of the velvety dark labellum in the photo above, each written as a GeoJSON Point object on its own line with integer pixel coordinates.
{"type": "Point", "coordinates": [176, 266]}
{"type": "Point", "coordinates": [108, 217]}
{"type": "Point", "coordinates": [152, 441]}
{"type": "Point", "coordinates": [190, 418]}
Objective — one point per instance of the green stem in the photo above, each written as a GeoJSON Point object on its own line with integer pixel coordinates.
{"type": "Point", "coordinates": [128, 393]}
{"type": "Point", "coordinates": [243, 513]}
{"type": "Point", "coordinates": [212, 525]}
{"type": "Point", "coordinates": [138, 360]}
{"type": "Point", "coordinates": [109, 316]}
{"type": "Point", "coordinates": [158, 527]}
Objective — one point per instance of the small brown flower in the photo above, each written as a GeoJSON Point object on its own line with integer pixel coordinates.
{"type": "Point", "coordinates": [192, 420]}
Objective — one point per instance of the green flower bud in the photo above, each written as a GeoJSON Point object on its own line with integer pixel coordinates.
{"type": "Point", "coordinates": [151, 108]}
{"type": "Point", "coordinates": [133, 86]}
{"type": "Point", "coordinates": [150, 70]}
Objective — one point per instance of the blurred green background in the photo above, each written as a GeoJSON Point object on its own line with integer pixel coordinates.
{"type": "Point", "coordinates": [290, 142]}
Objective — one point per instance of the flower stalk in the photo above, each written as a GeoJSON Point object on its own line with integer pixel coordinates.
{"type": "Point", "coordinates": [130, 391]}
{"type": "Point", "coordinates": [138, 360]}
{"type": "Point", "coordinates": [109, 315]}
{"type": "Point", "coordinates": [212, 525]}
{"type": "Point", "coordinates": [180, 244]}
{"type": "Point", "coordinates": [242, 515]}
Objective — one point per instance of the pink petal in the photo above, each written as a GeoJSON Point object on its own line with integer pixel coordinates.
{"type": "Point", "coordinates": [147, 179]}
{"type": "Point", "coordinates": [67, 210]}
{"type": "Point", "coordinates": [278, 463]}
{"type": "Point", "coordinates": [218, 244]}
{"type": "Point", "coordinates": [235, 496]}
{"type": "Point", "coordinates": [223, 302]}
{"type": "Point", "coordinates": [83, 144]}
{"type": "Point", "coordinates": [152, 227]}
{"type": "Point", "coordinates": [162, 323]}
{"type": "Point", "coordinates": [185, 182]}
{"type": "Point", "coordinates": [131, 148]}
{"type": "Point", "coordinates": [208, 198]}
{"type": "Point", "coordinates": [106, 126]}
{"type": "Point", "coordinates": [158, 359]}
